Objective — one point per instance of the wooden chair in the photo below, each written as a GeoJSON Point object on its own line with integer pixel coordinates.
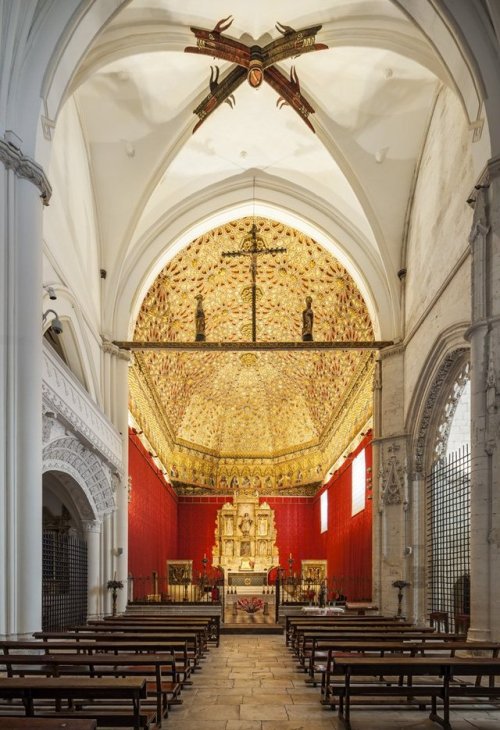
{"type": "Point", "coordinates": [438, 619]}
{"type": "Point", "coordinates": [462, 623]}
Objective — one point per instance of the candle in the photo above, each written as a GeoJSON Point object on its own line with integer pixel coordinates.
{"type": "Point", "coordinates": [204, 556]}
{"type": "Point", "coordinates": [290, 556]}
{"type": "Point", "coordinates": [114, 577]}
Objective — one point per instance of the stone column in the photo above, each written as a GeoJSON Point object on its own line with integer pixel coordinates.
{"type": "Point", "coordinates": [484, 335]}
{"type": "Point", "coordinates": [94, 583]}
{"type": "Point", "coordinates": [21, 183]}
{"type": "Point", "coordinates": [116, 377]}
{"type": "Point", "coordinates": [390, 487]}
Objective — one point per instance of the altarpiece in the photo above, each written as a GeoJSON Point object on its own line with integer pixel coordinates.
{"type": "Point", "coordinates": [245, 536]}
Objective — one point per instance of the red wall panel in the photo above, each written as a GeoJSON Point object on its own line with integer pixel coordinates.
{"type": "Point", "coordinates": [152, 520]}
{"type": "Point", "coordinates": [197, 516]}
{"type": "Point", "coordinates": [347, 544]}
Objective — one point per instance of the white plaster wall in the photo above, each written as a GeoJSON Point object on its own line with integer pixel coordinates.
{"type": "Point", "coordinates": [437, 257]}
{"type": "Point", "coordinates": [69, 226]}
{"type": "Point", "coordinates": [71, 243]}
{"type": "Point", "coordinates": [440, 218]}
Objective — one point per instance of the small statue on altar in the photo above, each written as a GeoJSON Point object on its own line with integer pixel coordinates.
{"type": "Point", "coordinates": [245, 524]}
{"type": "Point", "coordinates": [200, 319]}
{"type": "Point", "coordinates": [307, 321]}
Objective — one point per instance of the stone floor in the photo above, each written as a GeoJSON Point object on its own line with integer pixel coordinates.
{"type": "Point", "coordinates": [251, 683]}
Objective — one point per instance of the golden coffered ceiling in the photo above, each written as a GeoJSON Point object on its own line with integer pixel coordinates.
{"type": "Point", "coordinates": [275, 418]}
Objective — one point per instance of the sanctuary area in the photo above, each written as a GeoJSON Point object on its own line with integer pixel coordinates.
{"type": "Point", "coordinates": [250, 314]}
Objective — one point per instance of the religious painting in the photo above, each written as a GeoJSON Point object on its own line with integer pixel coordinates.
{"type": "Point", "coordinates": [314, 570]}
{"type": "Point", "coordinates": [179, 572]}
{"type": "Point", "coordinates": [245, 549]}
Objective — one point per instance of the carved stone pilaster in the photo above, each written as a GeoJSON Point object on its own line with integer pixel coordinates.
{"type": "Point", "coordinates": [392, 472]}
{"type": "Point", "coordinates": [25, 167]}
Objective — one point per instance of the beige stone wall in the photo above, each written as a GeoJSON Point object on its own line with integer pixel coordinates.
{"type": "Point", "coordinates": [437, 286]}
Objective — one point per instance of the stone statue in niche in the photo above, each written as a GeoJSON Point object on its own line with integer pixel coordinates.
{"type": "Point", "coordinates": [228, 526]}
{"type": "Point", "coordinates": [307, 321]}
{"type": "Point", "coordinates": [200, 319]}
{"type": "Point", "coordinates": [245, 524]}
{"type": "Point", "coordinates": [228, 548]}
{"type": "Point", "coordinates": [262, 548]}
{"type": "Point", "coordinates": [262, 526]}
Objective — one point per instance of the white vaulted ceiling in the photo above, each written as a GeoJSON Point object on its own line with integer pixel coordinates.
{"type": "Point", "coordinates": [347, 185]}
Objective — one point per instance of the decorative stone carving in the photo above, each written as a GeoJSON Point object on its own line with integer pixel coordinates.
{"type": "Point", "coordinates": [25, 167]}
{"type": "Point", "coordinates": [392, 474]}
{"type": "Point", "coordinates": [64, 396]}
{"type": "Point", "coordinates": [435, 394]}
{"type": "Point", "coordinates": [94, 495]}
{"type": "Point", "coordinates": [245, 535]}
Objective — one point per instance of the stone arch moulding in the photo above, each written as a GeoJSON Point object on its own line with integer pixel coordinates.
{"type": "Point", "coordinates": [92, 483]}
{"type": "Point", "coordinates": [430, 398]}
{"type": "Point", "coordinates": [319, 222]}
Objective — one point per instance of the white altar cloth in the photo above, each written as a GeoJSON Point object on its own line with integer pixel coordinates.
{"type": "Point", "coordinates": [327, 611]}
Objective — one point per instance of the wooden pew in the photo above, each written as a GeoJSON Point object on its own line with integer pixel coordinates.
{"type": "Point", "coordinates": [46, 723]}
{"type": "Point", "coordinates": [355, 624]}
{"type": "Point", "coordinates": [192, 638]}
{"type": "Point", "coordinates": [329, 669]}
{"type": "Point", "coordinates": [141, 641]}
{"type": "Point", "coordinates": [340, 620]}
{"type": "Point", "coordinates": [178, 648]}
{"type": "Point", "coordinates": [80, 691]}
{"type": "Point", "coordinates": [57, 665]}
{"type": "Point", "coordinates": [441, 670]}
{"type": "Point", "coordinates": [305, 638]}
{"type": "Point", "coordinates": [211, 620]}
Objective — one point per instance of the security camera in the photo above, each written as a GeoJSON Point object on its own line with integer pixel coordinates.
{"type": "Point", "coordinates": [56, 326]}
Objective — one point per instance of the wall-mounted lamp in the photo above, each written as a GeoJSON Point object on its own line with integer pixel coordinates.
{"type": "Point", "coordinates": [56, 324]}
{"type": "Point", "coordinates": [118, 551]}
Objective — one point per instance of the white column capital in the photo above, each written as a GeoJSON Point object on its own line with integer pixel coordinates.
{"type": "Point", "coordinates": [25, 167]}
{"type": "Point", "coordinates": [94, 526]}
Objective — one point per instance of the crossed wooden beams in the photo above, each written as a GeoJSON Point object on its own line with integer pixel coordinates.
{"type": "Point", "coordinates": [256, 63]}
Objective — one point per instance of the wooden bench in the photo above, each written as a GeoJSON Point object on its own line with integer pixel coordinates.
{"type": "Point", "coordinates": [191, 638]}
{"type": "Point", "coordinates": [212, 621]}
{"type": "Point", "coordinates": [442, 670]}
{"type": "Point", "coordinates": [340, 620]}
{"type": "Point", "coordinates": [81, 693]}
{"type": "Point", "coordinates": [329, 669]}
{"type": "Point", "coordinates": [305, 640]}
{"type": "Point", "coordinates": [46, 723]}
{"type": "Point", "coordinates": [167, 692]}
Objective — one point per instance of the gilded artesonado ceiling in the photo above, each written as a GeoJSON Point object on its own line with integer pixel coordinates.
{"type": "Point", "coordinates": [270, 420]}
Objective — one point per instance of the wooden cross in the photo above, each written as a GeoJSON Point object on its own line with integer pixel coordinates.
{"type": "Point", "coordinates": [254, 251]}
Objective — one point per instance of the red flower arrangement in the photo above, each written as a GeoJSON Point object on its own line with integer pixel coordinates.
{"type": "Point", "coordinates": [250, 605]}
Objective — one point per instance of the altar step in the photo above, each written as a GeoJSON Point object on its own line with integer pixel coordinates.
{"type": "Point", "coordinates": [255, 628]}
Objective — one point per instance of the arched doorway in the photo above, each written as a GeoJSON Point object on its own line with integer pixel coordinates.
{"type": "Point", "coordinates": [64, 556]}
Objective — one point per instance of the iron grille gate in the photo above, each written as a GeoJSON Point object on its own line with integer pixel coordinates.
{"type": "Point", "coordinates": [64, 581]}
{"type": "Point", "coordinates": [448, 531]}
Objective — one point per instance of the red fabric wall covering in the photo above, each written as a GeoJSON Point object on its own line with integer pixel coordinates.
{"type": "Point", "coordinates": [347, 544]}
{"type": "Point", "coordinates": [152, 520]}
{"type": "Point", "coordinates": [298, 533]}
{"type": "Point", "coordinates": [197, 517]}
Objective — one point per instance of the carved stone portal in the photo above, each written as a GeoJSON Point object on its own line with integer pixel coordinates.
{"type": "Point", "coordinates": [245, 535]}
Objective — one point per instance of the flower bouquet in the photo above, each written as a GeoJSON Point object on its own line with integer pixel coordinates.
{"type": "Point", "coordinates": [250, 605]}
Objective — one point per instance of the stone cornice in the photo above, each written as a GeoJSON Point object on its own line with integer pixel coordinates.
{"type": "Point", "coordinates": [64, 394]}
{"type": "Point", "coordinates": [25, 167]}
